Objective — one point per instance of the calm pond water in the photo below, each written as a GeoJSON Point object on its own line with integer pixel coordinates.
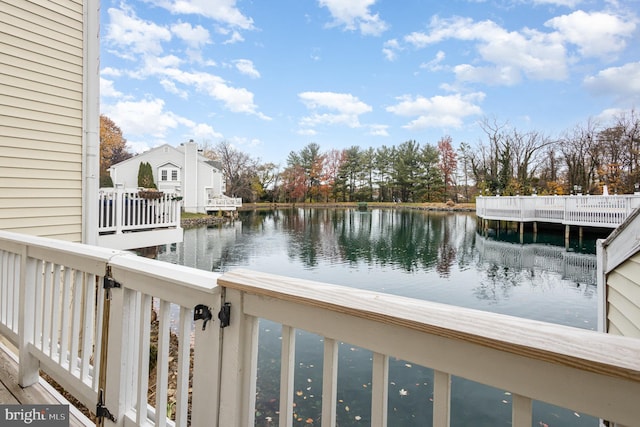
{"type": "Point", "coordinates": [434, 256]}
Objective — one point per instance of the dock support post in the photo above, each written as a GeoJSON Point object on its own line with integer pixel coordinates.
{"type": "Point", "coordinates": [580, 234]}
{"type": "Point", "coordinates": [566, 235]}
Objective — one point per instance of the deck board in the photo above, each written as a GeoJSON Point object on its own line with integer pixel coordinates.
{"type": "Point", "coordinates": [12, 393]}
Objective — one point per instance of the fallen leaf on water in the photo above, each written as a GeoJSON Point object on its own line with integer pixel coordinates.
{"type": "Point", "coordinates": [403, 392]}
{"type": "Point", "coordinates": [358, 417]}
{"type": "Point", "coordinates": [299, 393]}
{"type": "Point", "coordinates": [309, 421]}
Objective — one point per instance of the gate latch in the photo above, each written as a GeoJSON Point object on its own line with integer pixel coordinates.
{"type": "Point", "coordinates": [202, 312]}
{"type": "Point", "coordinates": [225, 315]}
{"type": "Point", "coordinates": [101, 410]}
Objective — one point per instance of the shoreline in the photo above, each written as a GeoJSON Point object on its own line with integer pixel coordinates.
{"type": "Point", "coordinates": [435, 207]}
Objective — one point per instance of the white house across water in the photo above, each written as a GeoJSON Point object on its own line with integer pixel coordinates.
{"type": "Point", "coordinates": [182, 171]}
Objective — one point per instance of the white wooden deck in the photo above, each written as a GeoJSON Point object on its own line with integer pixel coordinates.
{"type": "Point", "coordinates": [585, 371]}
{"type": "Point", "coordinates": [39, 393]}
{"type": "Point", "coordinates": [584, 211]}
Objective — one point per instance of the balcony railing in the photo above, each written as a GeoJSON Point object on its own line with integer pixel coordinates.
{"type": "Point", "coordinates": [222, 203]}
{"type": "Point", "coordinates": [594, 211]}
{"type": "Point", "coordinates": [153, 216]}
{"type": "Point", "coordinates": [57, 312]}
{"type": "Point", "coordinates": [121, 210]}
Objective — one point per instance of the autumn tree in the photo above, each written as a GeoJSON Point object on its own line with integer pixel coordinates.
{"type": "Point", "coordinates": [238, 168]}
{"type": "Point", "coordinates": [448, 163]}
{"type": "Point", "coordinates": [113, 147]}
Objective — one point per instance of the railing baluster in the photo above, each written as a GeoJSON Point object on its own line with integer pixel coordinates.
{"type": "Point", "coordinates": [287, 368]}
{"type": "Point", "coordinates": [184, 350]}
{"type": "Point", "coordinates": [380, 390]}
{"type": "Point", "coordinates": [441, 399]}
{"type": "Point", "coordinates": [521, 411]}
{"type": "Point", "coordinates": [143, 359]}
{"type": "Point", "coordinates": [54, 347]}
{"type": "Point", "coordinates": [46, 301]}
{"type": "Point", "coordinates": [162, 365]}
{"type": "Point", "coordinates": [76, 322]}
{"type": "Point", "coordinates": [39, 269]}
{"type": "Point", "coordinates": [91, 328]}
{"type": "Point", "coordinates": [329, 383]}
{"type": "Point", "coordinates": [63, 354]}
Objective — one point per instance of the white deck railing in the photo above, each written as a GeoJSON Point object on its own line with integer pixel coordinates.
{"type": "Point", "coordinates": [222, 202]}
{"type": "Point", "coordinates": [123, 210]}
{"type": "Point", "coordinates": [594, 211]}
{"type": "Point", "coordinates": [48, 289]}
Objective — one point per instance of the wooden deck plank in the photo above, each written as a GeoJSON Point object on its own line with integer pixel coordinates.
{"type": "Point", "coordinates": [39, 393]}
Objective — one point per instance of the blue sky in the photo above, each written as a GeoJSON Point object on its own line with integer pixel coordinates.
{"type": "Point", "coordinates": [272, 76]}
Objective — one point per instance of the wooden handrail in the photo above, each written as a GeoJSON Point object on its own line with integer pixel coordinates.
{"type": "Point", "coordinates": [562, 345]}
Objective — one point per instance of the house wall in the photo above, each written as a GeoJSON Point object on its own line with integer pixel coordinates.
{"type": "Point", "coordinates": [42, 117]}
{"type": "Point", "coordinates": [195, 174]}
{"type": "Point", "coordinates": [623, 298]}
{"type": "Point", "coordinates": [126, 172]}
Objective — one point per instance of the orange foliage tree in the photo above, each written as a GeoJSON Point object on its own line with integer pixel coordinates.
{"type": "Point", "coordinates": [113, 147]}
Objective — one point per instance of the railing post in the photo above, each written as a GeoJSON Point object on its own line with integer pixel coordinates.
{"type": "Point", "coordinates": [119, 207]}
{"type": "Point", "coordinates": [28, 370]}
{"type": "Point", "coordinates": [239, 366]}
{"type": "Point", "coordinates": [118, 364]}
{"type": "Point", "coordinates": [441, 399]}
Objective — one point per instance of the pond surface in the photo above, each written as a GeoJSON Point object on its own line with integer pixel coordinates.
{"type": "Point", "coordinates": [434, 256]}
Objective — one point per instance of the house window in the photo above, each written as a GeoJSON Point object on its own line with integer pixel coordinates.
{"type": "Point", "coordinates": [169, 173]}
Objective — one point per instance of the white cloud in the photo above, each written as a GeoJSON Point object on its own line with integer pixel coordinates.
{"type": "Point", "coordinates": [597, 34]}
{"type": "Point", "coordinates": [620, 82]}
{"type": "Point", "coordinates": [194, 37]}
{"type": "Point", "coordinates": [148, 120]}
{"type": "Point", "coordinates": [345, 109]}
{"type": "Point", "coordinates": [246, 67]}
{"type": "Point", "coordinates": [307, 132]}
{"type": "Point", "coordinates": [236, 37]}
{"type": "Point", "coordinates": [170, 86]}
{"type": "Point", "coordinates": [535, 54]}
{"type": "Point", "coordinates": [378, 130]}
{"type": "Point", "coordinates": [355, 15]}
{"type": "Point", "coordinates": [203, 131]}
{"type": "Point", "coordinates": [437, 111]}
{"type": "Point", "coordinates": [435, 63]}
{"type": "Point", "coordinates": [237, 100]}
{"type": "Point", "coordinates": [107, 89]}
{"type": "Point", "coordinates": [146, 117]}
{"type": "Point", "coordinates": [131, 36]}
{"type": "Point", "coordinates": [390, 49]}
{"type": "Point", "coordinates": [567, 3]}
{"type": "Point", "coordinates": [223, 11]}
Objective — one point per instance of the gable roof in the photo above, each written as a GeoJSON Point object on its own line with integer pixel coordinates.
{"type": "Point", "coordinates": [145, 153]}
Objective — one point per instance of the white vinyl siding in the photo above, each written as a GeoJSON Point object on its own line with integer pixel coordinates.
{"type": "Point", "coordinates": [41, 117]}
{"type": "Point", "coordinates": [623, 298]}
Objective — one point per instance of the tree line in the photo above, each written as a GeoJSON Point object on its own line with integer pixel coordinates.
{"type": "Point", "coordinates": [504, 161]}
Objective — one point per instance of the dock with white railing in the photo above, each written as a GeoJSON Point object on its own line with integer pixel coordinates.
{"type": "Point", "coordinates": [130, 219]}
{"type": "Point", "coordinates": [82, 315]}
{"type": "Point", "coordinates": [570, 211]}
